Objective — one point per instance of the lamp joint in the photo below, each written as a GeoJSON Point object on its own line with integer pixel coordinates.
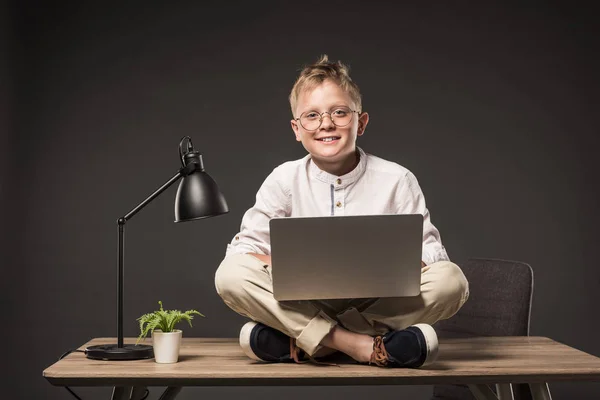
{"type": "Point", "coordinates": [189, 168]}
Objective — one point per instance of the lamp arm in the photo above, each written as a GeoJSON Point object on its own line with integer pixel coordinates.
{"type": "Point", "coordinates": [154, 195]}
{"type": "Point", "coordinates": [120, 262]}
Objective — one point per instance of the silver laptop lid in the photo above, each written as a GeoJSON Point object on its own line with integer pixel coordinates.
{"type": "Point", "coordinates": [335, 257]}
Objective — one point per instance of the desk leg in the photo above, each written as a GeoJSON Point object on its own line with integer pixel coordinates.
{"type": "Point", "coordinates": [540, 391]}
{"type": "Point", "coordinates": [121, 393]}
{"type": "Point", "coordinates": [170, 393]}
{"type": "Point", "coordinates": [505, 391]}
{"type": "Point", "coordinates": [138, 392]}
{"type": "Point", "coordinates": [484, 392]}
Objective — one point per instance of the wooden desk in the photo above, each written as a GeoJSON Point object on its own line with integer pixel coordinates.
{"type": "Point", "coordinates": [477, 362]}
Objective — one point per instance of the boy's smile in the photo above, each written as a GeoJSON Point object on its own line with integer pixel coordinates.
{"type": "Point", "coordinates": [333, 148]}
{"type": "Point", "coordinates": [329, 139]}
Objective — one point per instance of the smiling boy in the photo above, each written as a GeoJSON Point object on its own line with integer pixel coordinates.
{"type": "Point", "coordinates": [336, 178]}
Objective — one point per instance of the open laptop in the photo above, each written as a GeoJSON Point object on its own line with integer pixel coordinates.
{"type": "Point", "coordinates": [337, 257]}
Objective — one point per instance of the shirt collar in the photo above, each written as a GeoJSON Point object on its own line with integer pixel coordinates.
{"type": "Point", "coordinates": [346, 179]}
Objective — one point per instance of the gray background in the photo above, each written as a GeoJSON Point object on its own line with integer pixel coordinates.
{"type": "Point", "coordinates": [493, 108]}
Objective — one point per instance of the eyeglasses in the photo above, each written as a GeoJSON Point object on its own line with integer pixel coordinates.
{"type": "Point", "coordinates": [312, 120]}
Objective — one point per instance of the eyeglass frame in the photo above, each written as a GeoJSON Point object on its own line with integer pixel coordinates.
{"type": "Point", "coordinates": [330, 117]}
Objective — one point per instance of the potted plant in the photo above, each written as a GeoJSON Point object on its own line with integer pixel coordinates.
{"type": "Point", "coordinates": [166, 340]}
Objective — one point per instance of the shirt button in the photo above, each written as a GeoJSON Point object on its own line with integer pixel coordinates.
{"type": "Point", "coordinates": [237, 238]}
{"type": "Point", "coordinates": [338, 204]}
{"type": "Point", "coordinates": [339, 181]}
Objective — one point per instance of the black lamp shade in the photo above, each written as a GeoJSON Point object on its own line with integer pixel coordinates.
{"type": "Point", "coordinates": [198, 196]}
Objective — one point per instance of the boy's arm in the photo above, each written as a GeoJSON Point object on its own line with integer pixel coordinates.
{"type": "Point", "coordinates": [413, 202]}
{"type": "Point", "coordinates": [272, 200]}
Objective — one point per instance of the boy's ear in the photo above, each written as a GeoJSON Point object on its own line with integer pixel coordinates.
{"type": "Point", "coordinates": [363, 120]}
{"type": "Point", "coordinates": [296, 130]}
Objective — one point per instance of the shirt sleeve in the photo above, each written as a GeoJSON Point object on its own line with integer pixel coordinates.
{"type": "Point", "coordinates": [413, 202]}
{"type": "Point", "coordinates": [272, 200]}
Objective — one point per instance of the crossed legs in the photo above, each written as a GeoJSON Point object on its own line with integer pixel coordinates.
{"type": "Point", "coordinates": [245, 285]}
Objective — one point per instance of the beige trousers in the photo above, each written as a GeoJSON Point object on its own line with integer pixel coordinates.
{"type": "Point", "coordinates": [245, 285]}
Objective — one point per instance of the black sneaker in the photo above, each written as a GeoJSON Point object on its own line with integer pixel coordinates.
{"type": "Point", "coordinates": [263, 343]}
{"type": "Point", "coordinates": [413, 347]}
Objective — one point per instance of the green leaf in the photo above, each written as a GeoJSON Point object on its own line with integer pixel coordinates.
{"type": "Point", "coordinates": [165, 320]}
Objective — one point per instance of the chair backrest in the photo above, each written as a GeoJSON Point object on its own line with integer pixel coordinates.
{"type": "Point", "coordinates": [499, 304]}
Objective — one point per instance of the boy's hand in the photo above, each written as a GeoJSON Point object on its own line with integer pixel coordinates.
{"type": "Point", "coordinates": [262, 257]}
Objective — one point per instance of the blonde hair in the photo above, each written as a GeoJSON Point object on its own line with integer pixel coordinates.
{"type": "Point", "coordinates": [315, 74]}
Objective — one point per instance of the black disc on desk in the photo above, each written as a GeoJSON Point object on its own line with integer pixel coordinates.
{"type": "Point", "coordinates": [112, 352]}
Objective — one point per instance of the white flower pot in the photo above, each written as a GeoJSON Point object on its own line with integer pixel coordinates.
{"type": "Point", "coordinates": [166, 346]}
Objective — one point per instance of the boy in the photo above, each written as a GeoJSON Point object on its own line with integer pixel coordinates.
{"type": "Point", "coordinates": [336, 178]}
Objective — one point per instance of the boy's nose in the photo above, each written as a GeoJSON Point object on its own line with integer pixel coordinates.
{"type": "Point", "coordinates": [326, 122]}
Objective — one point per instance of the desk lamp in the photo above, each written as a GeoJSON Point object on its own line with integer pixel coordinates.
{"type": "Point", "coordinates": [198, 196]}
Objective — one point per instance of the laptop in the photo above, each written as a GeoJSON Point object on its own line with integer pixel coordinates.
{"type": "Point", "coordinates": [341, 257]}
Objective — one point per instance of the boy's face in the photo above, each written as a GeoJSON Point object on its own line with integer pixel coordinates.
{"type": "Point", "coordinates": [327, 97]}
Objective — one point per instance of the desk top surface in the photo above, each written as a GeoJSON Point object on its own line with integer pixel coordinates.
{"type": "Point", "coordinates": [217, 362]}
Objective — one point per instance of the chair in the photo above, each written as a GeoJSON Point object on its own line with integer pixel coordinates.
{"type": "Point", "coordinates": [499, 304]}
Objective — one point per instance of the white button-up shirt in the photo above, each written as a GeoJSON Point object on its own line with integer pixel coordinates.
{"type": "Point", "coordinates": [300, 189]}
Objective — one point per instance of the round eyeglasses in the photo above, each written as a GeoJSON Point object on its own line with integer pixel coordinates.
{"type": "Point", "coordinates": [312, 120]}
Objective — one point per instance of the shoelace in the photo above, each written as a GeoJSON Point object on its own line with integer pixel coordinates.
{"type": "Point", "coordinates": [379, 356]}
{"type": "Point", "coordinates": [295, 354]}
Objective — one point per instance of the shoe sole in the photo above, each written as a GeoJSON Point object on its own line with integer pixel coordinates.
{"type": "Point", "coordinates": [245, 335]}
{"type": "Point", "coordinates": [432, 343]}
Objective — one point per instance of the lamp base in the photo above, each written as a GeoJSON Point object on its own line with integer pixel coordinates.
{"type": "Point", "coordinates": [112, 352]}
